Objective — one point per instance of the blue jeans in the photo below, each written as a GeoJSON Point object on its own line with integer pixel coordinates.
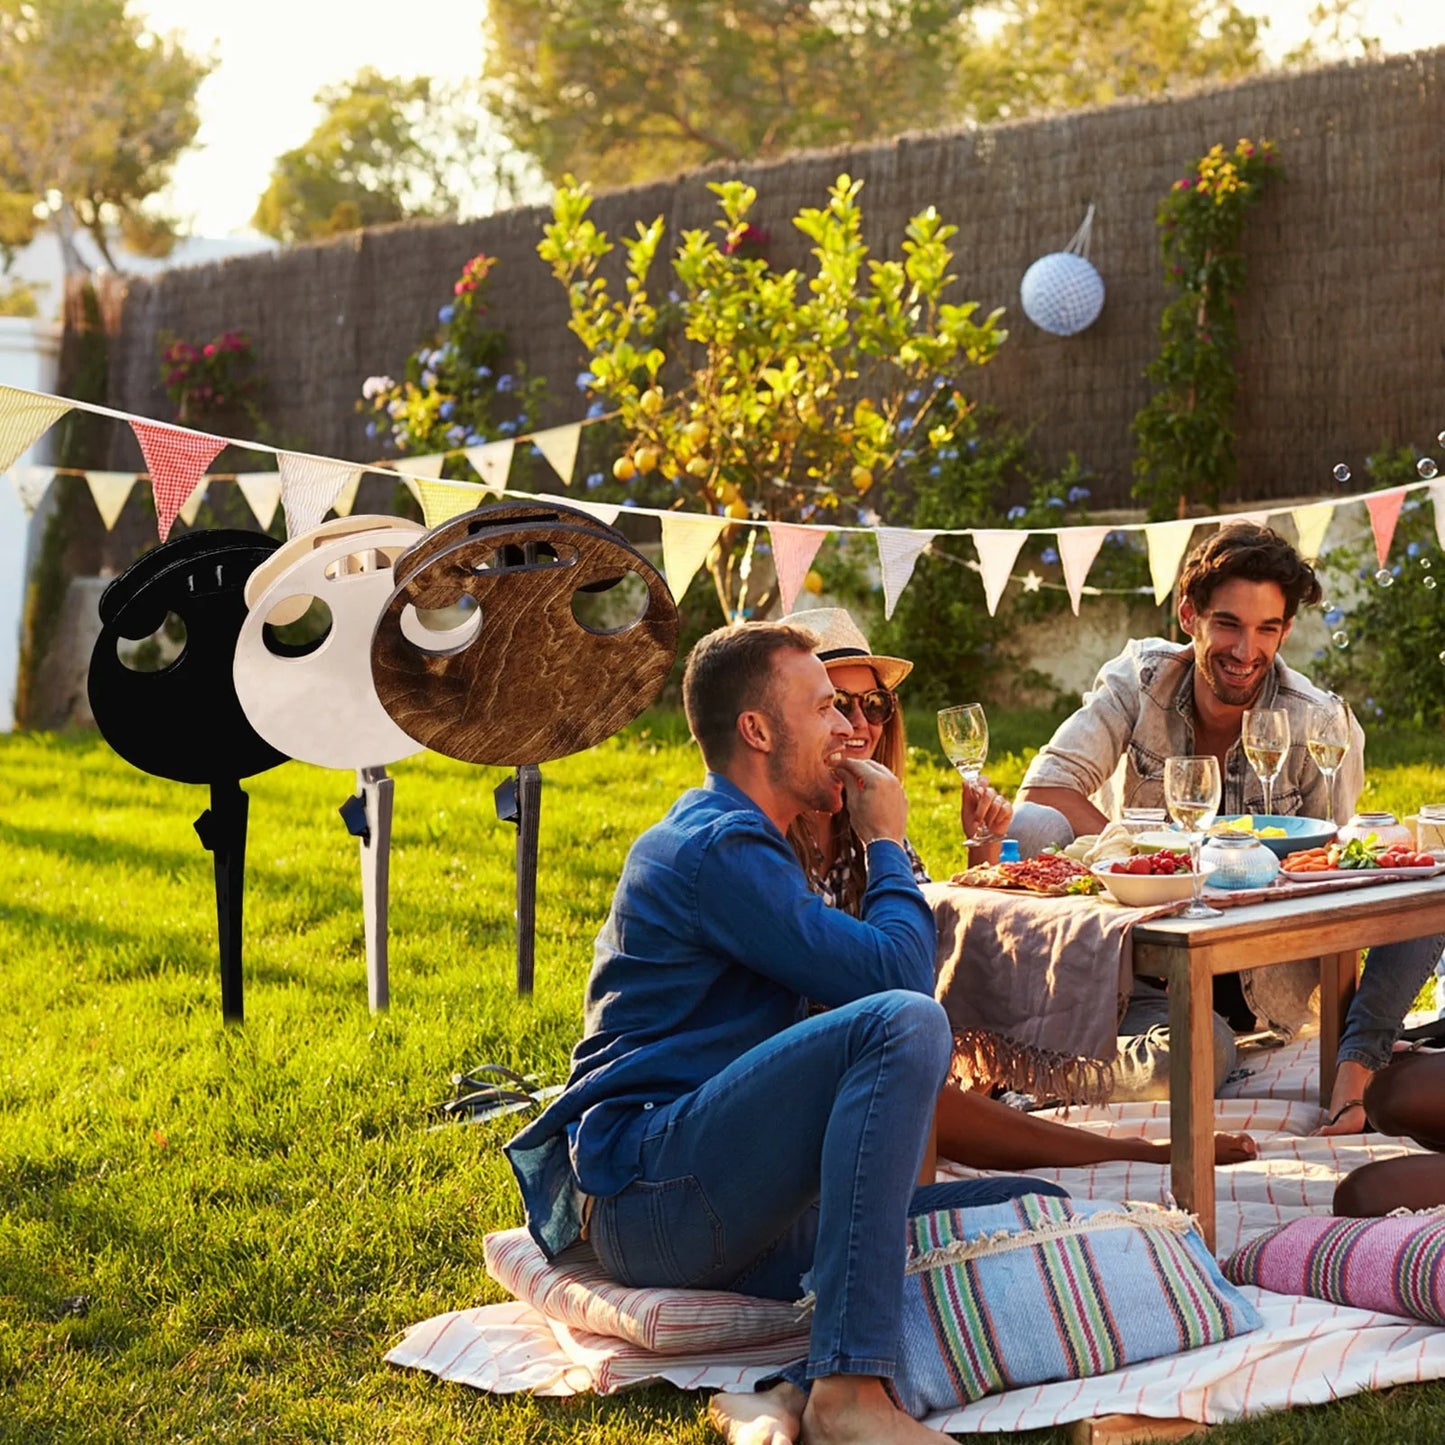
{"type": "Point", "coordinates": [800, 1155]}
{"type": "Point", "coordinates": [1394, 974]}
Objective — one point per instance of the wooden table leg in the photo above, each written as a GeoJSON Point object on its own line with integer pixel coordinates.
{"type": "Point", "coordinates": [1339, 974]}
{"type": "Point", "coordinates": [1191, 1088]}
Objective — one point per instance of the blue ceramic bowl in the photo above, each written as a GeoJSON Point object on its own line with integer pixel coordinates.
{"type": "Point", "coordinates": [1299, 832]}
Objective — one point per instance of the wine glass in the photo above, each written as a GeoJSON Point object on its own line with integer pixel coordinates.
{"type": "Point", "coordinates": [963, 731]}
{"type": "Point", "coordinates": [1191, 793]}
{"type": "Point", "coordinates": [1327, 736]}
{"type": "Point", "coordinates": [1265, 736]}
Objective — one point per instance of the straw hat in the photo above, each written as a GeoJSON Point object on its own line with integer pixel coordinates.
{"type": "Point", "coordinates": [841, 641]}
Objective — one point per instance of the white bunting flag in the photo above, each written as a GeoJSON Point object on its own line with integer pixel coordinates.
{"type": "Point", "coordinates": [559, 445]}
{"type": "Point", "coordinates": [1078, 546]}
{"type": "Point", "coordinates": [262, 491]}
{"type": "Point", "coordinates": [1168, 541]}
{"type": "Point", "coordinates": [1260, 519]}
{"type": "Point", "coordinates": [31, 484]}
{"type": "Point", "coordinates": [1384, 510]}
{"type": "Point", "coordinates": [428, 466]}
{"type": "Point", "coordinates": [1437, 498]}
{"type": "Point", "coordinates": [686, 541]}
{"type": "Point", "coordinates": [345, 499]}
{"type": "Point", "coordinates": [998, 550]}
{"type": "Point", "coordinates": [192, 504]}
{"type": "Point", "coordinates": [794, 548]}
{"type": "Point", "coordinates": [605, 512]}
{"type": "Point", "coordinates": [309, 485]}
{"type": "Point", "coordinates": [441, 501]}
{"type": "Point", "coordinates": [24, 419]}
{"type": "Point", "coordinates": [1310, 524]}
{"type": "Point", "coordinates": [109, 491]}
{"type": "Point", "coordinates": [898, 552]}
{"type": "Point", "coordinates": [492, 461]}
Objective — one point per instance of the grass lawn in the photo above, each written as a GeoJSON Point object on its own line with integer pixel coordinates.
{"type": "Point", "coordinates": [213, 1233]}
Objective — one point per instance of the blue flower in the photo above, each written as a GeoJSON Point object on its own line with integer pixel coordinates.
{"type": "Point", "coordinates": [428, 380]}
{"type": "Point", "coordinates": [948, 454]}
{"type": "Point", "coordinates": [371, 429]}
{"type": "Point", "coordinates": [935, 470]}
{"type": "Point", "coordinates": [1017, 514]}
{"type": "Point", "coordinates": [905, 425]}
{"type": "Point", "coordinates": [914, 397]}
{"type": "Point", "coordinates": [505, 382]}
{"type": "Point", "coordinates": [1117, 538]}
{"type": "Point", "coordinates": [594, 480]}
{"type": "Point", "coordinates": [1334, 617]}
{"type": "Point", "coordinates": [506, 428]}
{"type": "Point", "coordinates": [674, 297]}
{"type": "Point", "coordinates": [596, 409]}
{"type": "Point", "coordinates": [484, 372]}
{"type": "Point", "coordinates": [1078, 494]}
{"type": "Point", "coordinates": [1056, 501]}
{"type": "Point", "coordinates": [1319, 653]}
{"type": "Point", "coordinates": [1364, 574]}
{"type": "Point", "coordinates": [535, 450]}
{"type": "Point", "coordinates": [629, 501]}
{"type": "Point", "coordinates": [1413, 550]}
{"type": "Point", "coordinates": [939, 383]}
{"type": "Point", "coordinates": [447, 410]}
{"type": "Point", "coordinates": [522, 419]}
{"type": "Point", "coordinates": [907, 455]}
{"type": "Point", "coordinates": [1396, 570]}
{"type": "Point", "coordinates": [585, 381]}
{"type": "Point", "coordinates": [1049, 556]}
{"type": "Point", "coordinates": [474, 439]}
{"type": "Point", "coordinates": [456, 435]}
{"type": "Point", "coordinates": [446, 314]}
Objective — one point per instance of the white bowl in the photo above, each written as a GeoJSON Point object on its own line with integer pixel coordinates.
{"type": "Point", "coordinates": [1148, 890]}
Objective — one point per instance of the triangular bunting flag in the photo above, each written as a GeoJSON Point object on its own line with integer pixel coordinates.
{"type": "Point", "coordinates": [605, 512]}
{"type": "Point", "coordinates": [559, 445]}
{"type": "Point", "coordinates": [345, 499]}
{"type": "Point", "coordinates": [192, 505]}
{"type": "Point", "coordinates": [441, 501]}
{"type": "Point", "coordinates": [794, 548]}
{"type": "Point", "coordinates": [176, 459]}
{"type": "Point", "coordinates": [1167, 544]}
{"type": "Point", "coordinates": [427, 466]}
{"type": "Point", "coordinates": [1310, 524]}
{"type": "Point", "coordinates": [686, 541]}
{"type": "Point", "coordinates": [1384, 509]}
{"type": "Point", "coordinates": [1078, 546]}
{"type": "Point", "coordinates": [492, 461]}
{"type": "Point", "coordinates": [1437, 497]}
{"type": "Point", "coordinates": [309, 485]}
{"type": "Point", "coordinates": [262, 491]}
{"type": "Point", "coordinates": [24, 418]}
{"type": "Point", "coordinates": [898, 551]}
{"type": "Point", "coordinates": [998, 550]}
{"type": "Point", "coordinates": [109, 490]}
{"type": "Point", "coordinates": [30, 485]}
{"type": "Point", "coordinates": [1260, 519]}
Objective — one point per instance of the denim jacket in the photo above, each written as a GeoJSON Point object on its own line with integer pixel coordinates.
{"type": "Point", "coordinates": [714, 943]}
{"type": "Point", "coordinates": [1141, 711]}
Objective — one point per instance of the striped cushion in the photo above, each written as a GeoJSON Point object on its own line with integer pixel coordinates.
{"type": "Point", "coordinates": [573, 1290]}
{"type": "Point", "coordinates": [1042, 1289]}
{"type": "Point", "coordinates": [1395, 1265]}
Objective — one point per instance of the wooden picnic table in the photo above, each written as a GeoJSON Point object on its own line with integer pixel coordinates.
{"type": "Point", "coordinates": [1331, 927]}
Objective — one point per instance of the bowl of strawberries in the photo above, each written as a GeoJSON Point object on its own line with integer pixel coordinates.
{"type": "Point", "coordinates": [1147, 880]}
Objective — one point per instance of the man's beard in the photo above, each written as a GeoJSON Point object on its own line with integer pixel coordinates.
{"type": "Point", "coordinates": [1227, 691]}
{"type": "Point", "coordinates": [815, 786]}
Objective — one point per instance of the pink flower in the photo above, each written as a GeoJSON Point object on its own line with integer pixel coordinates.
{"type": "Point", "coordinates": [209, 349]}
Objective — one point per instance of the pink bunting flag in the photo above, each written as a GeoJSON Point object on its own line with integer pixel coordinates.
{"type": "Point", "coordinates": [898, 552]}
{"type": "Point", "coordinates": [794, 548]}
{"type": "Point", "coordinates": [1384, 510]}
{"type": "Point", "coordinates": [997, 552]}
{"type": "Point", "coordinates": [176, 460]}
{"type": "Point", "coordinates": [1437, 499]}
{"type": "Point", "coordinates": [24, 419]}
{"type": "Point", "coordinates": [1078, 546]}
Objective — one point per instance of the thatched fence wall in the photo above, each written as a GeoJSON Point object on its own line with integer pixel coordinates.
{"type": "Point", "coordinates": [1343, 346]}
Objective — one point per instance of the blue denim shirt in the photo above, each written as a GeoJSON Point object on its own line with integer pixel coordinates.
{"type": "Point", "coordinates": [714, 943]}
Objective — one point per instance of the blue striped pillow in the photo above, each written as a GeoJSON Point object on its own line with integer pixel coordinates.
{"type": "Point", "coordinates": [1042, 1288]}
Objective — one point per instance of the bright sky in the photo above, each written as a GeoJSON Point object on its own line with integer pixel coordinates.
{"type": "Point", "coordinates": [276, 54]}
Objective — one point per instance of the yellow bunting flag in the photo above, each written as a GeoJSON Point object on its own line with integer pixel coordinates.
{"type": "Point", "coordinates": [1310, 524]}
{"type": "Point", "coordinates": [441, 501]}
{"type": "Point", "coordinates": [492, 461]}
{"type": "Point", "coordinates": [192, 504]}
{"type": "Point", "coordinates": [559, 445]}
{"type": "Point", "coordinates": [24, 419]}
{"type": "Point", "coordinates": [109, 491]}
{"type": "Point", "coordinates": [1168, 541]}
{"type": "Point", "coordinates": [262, 491]}
{"type": "Point", "coordinates": [686, 541]}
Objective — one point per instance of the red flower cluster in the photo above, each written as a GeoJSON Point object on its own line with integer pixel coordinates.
{"type": "Point", "coordinates": [201, 379]}
{"type": "Point", "coordinates": [474, 273]}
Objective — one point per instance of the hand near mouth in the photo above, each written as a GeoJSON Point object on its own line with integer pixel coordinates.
{"type": "Point", "coordinates": [877, 804]}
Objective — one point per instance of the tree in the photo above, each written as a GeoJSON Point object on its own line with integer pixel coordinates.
{"type": "Point", "coordinates": [625, 90]}
{"type": "Point", "coordinates": [388, 150]}
{"type": "Point", "coordinates": [94, 111]}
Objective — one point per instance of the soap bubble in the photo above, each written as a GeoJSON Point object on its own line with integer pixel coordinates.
{"type": "Point", "coordinates": [1385, 577]}
{"type": "Point", "coordinates": [1441, 438]}
{"type": "Point", "coordinates": [1342, 641]}
{"type": "Point", "coordinates": [1342, 472]}
{"type": "Point", "coordinates": [1425, 563]}
{"type": "Point", "coordinates": [1426, 467]}
{"type": "Point", "coordinates": [1428, 583]}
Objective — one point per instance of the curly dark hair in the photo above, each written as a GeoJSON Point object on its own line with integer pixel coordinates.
{"type": "Point", "coordinates": [1254, 553]}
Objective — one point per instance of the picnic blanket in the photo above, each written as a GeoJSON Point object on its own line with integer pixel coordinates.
{"type": "Point", "coordinates": [1306, 1352]}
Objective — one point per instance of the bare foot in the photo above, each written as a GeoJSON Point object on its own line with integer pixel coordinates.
{"type": "Point", "coordinates": [768, 1417]}
{"type": "Point", "coordinates": [1347, 1112]}
{"type": "Point", "coordinates": [1234, 1148]}
{"type": "Point", "coordinates": [856, 1410]}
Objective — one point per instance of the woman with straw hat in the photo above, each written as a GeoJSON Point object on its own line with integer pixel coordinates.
{"type": "Point", "coordinates": [973, 1128]}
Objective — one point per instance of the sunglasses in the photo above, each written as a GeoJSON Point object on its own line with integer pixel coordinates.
{"type": "Point", "coordinates": [877, 703]}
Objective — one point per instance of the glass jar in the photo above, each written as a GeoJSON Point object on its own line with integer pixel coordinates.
{"type": "Point", "coordinates": [1386, 827]}
{"type": "Point", "coordinates": [1430, 827]}
{"type": "Point", "coordinates": [1240, 861]}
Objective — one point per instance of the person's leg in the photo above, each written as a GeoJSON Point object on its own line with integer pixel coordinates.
{"type": "Point", "coordinates": [1373, 1190]}
{"type": "Point", "coordinates": [1394, 974]}
{"type": "Point", "coordinates": [1141, 1070]}
{"type": "Point", "coordinates": [831, 1111]}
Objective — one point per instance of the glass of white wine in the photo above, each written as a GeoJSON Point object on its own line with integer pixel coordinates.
{"type": "Point", "coordinates": [1327, 737]}
{"type": "Point", "coordinates": [1191, 793]}
{"type": "Point", "coordinates": [1265, 735]}
{"type": "Point", "coordinates": [963, 731]}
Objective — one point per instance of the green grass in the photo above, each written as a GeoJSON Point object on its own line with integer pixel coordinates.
{"type": "Point", "coordinates": [213, 1233]}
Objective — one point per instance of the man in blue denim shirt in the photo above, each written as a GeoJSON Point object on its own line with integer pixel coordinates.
{"type": "Point", "coordinates": [1239, 591]}
{"type": "Point", "coordinates": [714, 1135]}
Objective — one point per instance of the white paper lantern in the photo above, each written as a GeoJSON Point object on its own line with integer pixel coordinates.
{"type": "Point", "coordinates": [1062, 293]}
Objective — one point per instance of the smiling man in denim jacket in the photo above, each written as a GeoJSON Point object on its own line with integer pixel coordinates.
{"type": "Point", "coordinates": [714, 1135]}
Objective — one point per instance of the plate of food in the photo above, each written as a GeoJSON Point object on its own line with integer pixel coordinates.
{"type": "Point", "coordinates": [1281, 833]}
{"type": "Point", "coordinates": [1357, 859]}
{"type": "Point", "coordinates": [1149, 879]}
{"type": "Point", "coordinates": [1050, 874]}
